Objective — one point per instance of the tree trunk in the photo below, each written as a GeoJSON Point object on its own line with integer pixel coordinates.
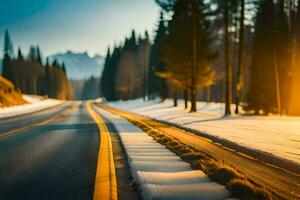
{"type": "Point", "coordinates": [175, 98]}
{"type": "Point", "coordinates": [277, 85]}
{"type": "Point", "coordinates": [227, 61]}
{"type": "Point", "coordinates": [193, 81]}
{"type": "Point", "coordinates": [193, 100]}
{"type": "Point", "coordinates": [239, 81]}
{"type": "Point", "coordinates": [209, 94]}
{"type": "Point", "coordinates": [294, 105]}
{"type": "Point", "coordinates": [185, 99]}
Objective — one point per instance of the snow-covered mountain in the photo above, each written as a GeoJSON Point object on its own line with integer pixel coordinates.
{"type": "Point", "coordinates": [80, 65]}
{"type": "Point", "coordinates": [99, 59]}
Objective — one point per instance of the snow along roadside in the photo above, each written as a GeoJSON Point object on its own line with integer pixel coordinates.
{"type": "Point", "coordinates": [159, 173]}
{"type": "Point", "coordinates": [273, 136]}
{"type": "Point", "coordinates": [34, 105]}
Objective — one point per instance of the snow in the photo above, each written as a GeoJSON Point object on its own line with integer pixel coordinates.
{"type": "Point", "coordinates": [276, 135]}
{"type": "Point", "coordinates": [35, 104]}
{"type": "Point", "coordinates": [159, 173]}
{"type": "Point", "coordinates": [93, 66]}
{"type": "Point", "coordinates": [203, 191]}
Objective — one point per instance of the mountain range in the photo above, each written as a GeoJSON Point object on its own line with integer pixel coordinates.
{"type": "Point", "coordinates": [80, 65]}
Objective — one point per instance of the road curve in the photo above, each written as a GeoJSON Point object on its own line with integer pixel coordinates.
{"type": "Point", "coordinates": [52, 161]}
{"type": "Point", "coordinates": [105, 180]}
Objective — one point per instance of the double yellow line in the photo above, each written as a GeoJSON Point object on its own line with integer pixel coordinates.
{"type": "Point", "coordinates": [105, 180]}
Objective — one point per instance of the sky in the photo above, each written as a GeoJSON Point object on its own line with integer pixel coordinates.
{"type": "Point", "coordinates": [77, 25]}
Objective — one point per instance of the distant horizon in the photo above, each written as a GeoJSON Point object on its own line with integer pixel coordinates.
{"type": "Point", "coordinates": [78, 52]}
{"type": "Point", "coordinates": [94, 27]}
{"type": "Point", "coordinates": [60, 53]}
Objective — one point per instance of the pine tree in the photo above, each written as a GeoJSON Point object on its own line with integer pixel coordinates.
{"type": "Point", "coordinates": [32, 55]}
{"type": "Point", "coordinates": [228, 98]}
{"type": "Point", "coordinates": [158, 86]}
{"type": "Point", "coordinates": [47, 86]}
{"type": "Point", "coordinates": [187, 48]}
{"type": "Point", "coordinates": [225, 6]}
{"type": "Point", "coordinates": [239, 82]}
{"type": "Point", "coordinates": [38, 55]}
{"type": "Point", "coordinates": [89, 90]}
{"type": "Point", "coordinates": [225, 15]}
{"type": "Point", "coordinates": [132, 42]}
{"type": "Point", "coordinates": [7, 57]}
{"type": "Point", "coordinates": [144, 60]}
{"type": "Point", "coordinates": [20, 55]}
{"type": "Point", "coordinates": [115, 59]}
{"type": "Point", "coordinates": [105, 75]}
{"type": "Point", "coordinates": [55, 63]}
{"type": "Point", "coordinates": [262, 95]}
{"type": "Point", "coordinates": [8, 45]}
{"type": "Point", "coordinates": [108, 82]}
{"type": "Point", "coordinates": [126, 78]}
{"type": "Point", "coordinates": [283, 54]}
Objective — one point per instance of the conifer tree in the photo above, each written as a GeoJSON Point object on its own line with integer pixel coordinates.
{"type": "Point", "coordinates": [144, 49]}
{"type": "Point", "coordinates": [187, 48]}
{"type": "Point", "coordinates": [282, 51]}
{"type": "Point", "coordinates": [32, 55]}
{"type": "Point", "coordinates": [8, 45]}
{"type": "Point", "coordinates": [262, 95]}
{"type": "Point", "coordinates": [227, 8]}
{"type": "Point", "coordinates": [20, 55]}
{"type": "Point", "coordinates": [7, 57]}
{"type": "Point", "coordinates": [239, 76]}
{"type": "Point", "coordinates": [47, 86]}
{"type": "Point", "coordinates": [105, 75]}
{"type": "Point", "coordinates": [125, 74]}
{"type": "Point", "coordinates": [158, 86]}
{"type": "Point", "coordinates": [109, 74]}
{"type": "Point", "coordinates": [132, 43]}
{"type": "Point", "coordinates": [228, 66]}
{"type": "Point", "coordinates": [38, 55]}
{"type": "Point", "coordinates": [90, 89]}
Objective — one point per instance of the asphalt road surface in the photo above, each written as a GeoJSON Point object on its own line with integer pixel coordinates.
{"type": "Point", "coordinates": [11, 124]}
{"type": "Point", "coordinates": [50, 161]}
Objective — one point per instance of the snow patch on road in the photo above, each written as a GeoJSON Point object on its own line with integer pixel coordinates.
{"type": "Point", "coordinates": [35, 103]}
{"type": "Point", "coordinates": [279, 136]}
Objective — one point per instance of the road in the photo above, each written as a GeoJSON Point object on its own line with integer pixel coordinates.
{"type": "Point", "coordinates": [70, 152]}
{"type": "Point", "coordinates": [54, 157]}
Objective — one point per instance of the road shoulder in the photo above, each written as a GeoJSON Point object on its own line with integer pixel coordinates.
{"type": "Point", "coordinates": [125, 187]}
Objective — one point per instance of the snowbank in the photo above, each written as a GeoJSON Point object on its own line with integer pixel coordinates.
{"type": "Point", "coordinates": [35, 104]}
{"type": "Point", "coordinates": [159, 173]}
{"type": "Point", "coordinates": [276, 135]}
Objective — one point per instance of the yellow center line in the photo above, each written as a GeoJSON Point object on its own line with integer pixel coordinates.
{"type": "Point", "coordinates": [105, 180]}
{"type": "Point", "coordinates": [45, 122]}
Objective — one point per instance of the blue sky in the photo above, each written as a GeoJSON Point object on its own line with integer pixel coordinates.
{"type": "Point", "coordinates": [78, 25]}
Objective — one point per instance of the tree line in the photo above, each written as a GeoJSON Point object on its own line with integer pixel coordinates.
{"type": "Point", "coordinates": [252, 45]}
{"type": "Point", "coordinates": [31, 76]}
{"type": "Point", "coordinates": [126, 68]}
{"type": "Point", "coordinates": [242, 52]}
